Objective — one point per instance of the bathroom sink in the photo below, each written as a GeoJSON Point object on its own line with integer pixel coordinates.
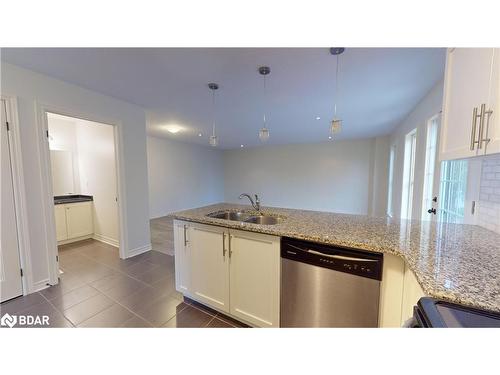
{"type": "Point", "coordinates": [264, 220]}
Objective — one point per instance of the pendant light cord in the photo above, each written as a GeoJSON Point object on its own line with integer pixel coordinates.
{"type": "Point", "coordinates": [336, 87]}
{"type": "Point", "coordinates": [264, 101]}
{"type": "Point", "coordinates": [213, 112]}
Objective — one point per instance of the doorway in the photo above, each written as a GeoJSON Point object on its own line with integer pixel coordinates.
{"type": "Point", "coordinates": [84, 182]}
{"type": "Point", "coordinates": [11, 283]}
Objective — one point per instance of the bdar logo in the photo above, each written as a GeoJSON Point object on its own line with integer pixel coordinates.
{"type": "Point", "coordinates": [8, 320]}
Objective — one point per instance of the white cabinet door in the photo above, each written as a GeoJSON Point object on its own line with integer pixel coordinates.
{"type": "Point", "coordinates": [60, 216]}
{"type": "Point", "coordinates": [79, 221]}
{"type": "Point", "coordinates": [412, 292]}
{"type": "Point", "coordinates": [210, 265]}
{"type": "Point", "coordinates": [255, 278]}
{"type": "Point", "coordinates": [182, 257]}
{"type": "Point", "coordinates": [492, 124]}
{"type": "Point", "coordinates": [466, 86]}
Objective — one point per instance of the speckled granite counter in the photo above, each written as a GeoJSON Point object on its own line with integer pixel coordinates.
{"type": "Point", "coordinates": [459, 263]}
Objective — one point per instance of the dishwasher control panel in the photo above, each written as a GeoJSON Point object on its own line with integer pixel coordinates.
{"type": "Point", "coordinates": [353, 261]}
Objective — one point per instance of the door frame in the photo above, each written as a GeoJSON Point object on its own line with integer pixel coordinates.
{"type": "Point", "coordinates": [20, 204]}
{"type": "Point", "coordinates": [46, 177]}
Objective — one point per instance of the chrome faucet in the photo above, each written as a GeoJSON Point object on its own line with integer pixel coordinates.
{"type": "Point", "coordinates": [256, 204]}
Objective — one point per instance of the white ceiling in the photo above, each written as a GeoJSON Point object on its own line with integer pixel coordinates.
{"type": "Point", "coordinates": [378, 87]}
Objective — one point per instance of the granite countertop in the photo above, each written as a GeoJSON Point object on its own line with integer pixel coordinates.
{"type": "Point", "coordinates": [456, 262]}
{"type": "Point", "coordinates": [73, 198]}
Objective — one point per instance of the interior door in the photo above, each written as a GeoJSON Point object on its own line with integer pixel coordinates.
{"type": "Point", "coordinates": [210, 266]}
{"type": "Point", "coordinates": [10, 269]}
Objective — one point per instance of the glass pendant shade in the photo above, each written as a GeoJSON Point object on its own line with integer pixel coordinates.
{"type": "Point", "coordinates": [264, 134]}
{"type": "Point", "coordinates": [214, 141]}
{"type": "Point", "coordinates": [335, 126]}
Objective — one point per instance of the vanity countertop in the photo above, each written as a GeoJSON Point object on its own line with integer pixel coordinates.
{"type": "Point", "coordinates": [74, 198]}
{"type": "Point", "coordinates": [454, 262]}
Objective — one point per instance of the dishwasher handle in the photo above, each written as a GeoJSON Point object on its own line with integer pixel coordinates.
{"type": "Point", "coordinates": [357, 262]}
{"type": "Point", "coordinates": [333, 256]}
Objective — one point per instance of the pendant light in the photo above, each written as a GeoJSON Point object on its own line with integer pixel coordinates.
{"type": "Point", "coordinates": [264, 132]}
{"type": "Point", "coordinates": [336, 123]}
{"type": "Point", "coordinates": [214, 141]}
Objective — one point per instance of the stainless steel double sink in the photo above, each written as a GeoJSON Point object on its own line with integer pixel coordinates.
{"type": "Point", "coordinates": [246, 217]}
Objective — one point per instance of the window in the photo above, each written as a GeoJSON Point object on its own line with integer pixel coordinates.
{"type": "Point", "coordinates": [452, 191]}
{"type": "Point", "coordinates": [408, 174]}
{"type": "Point", "coordinates": [430, 165]}
{"type": "Point", "coordinates": [392, 156]}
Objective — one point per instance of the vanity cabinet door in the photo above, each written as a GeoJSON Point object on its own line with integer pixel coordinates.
{"type": "Point", "coordinates": [79, 220]}
{"type": "Point", "coordinates": [182, 248]}
{"type": "Point", "coordinates": [210, 265]}
{"type": "Point", "coordinates": [255, 278]}
{"type": "Point", "coordinates": [60, 216]}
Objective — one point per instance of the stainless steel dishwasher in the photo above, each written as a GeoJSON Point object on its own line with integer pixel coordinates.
{"type": "Point", "coordinates": [328, 286]}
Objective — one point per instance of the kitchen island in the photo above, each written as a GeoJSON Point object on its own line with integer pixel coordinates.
{"type": "Point", "coordinates": [455, 262]}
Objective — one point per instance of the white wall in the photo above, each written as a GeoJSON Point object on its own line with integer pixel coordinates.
{"type": "Point", "coordinates": [63, 138]}
{"type": "Point", "coordinates": [333, 176]}
{"type": "Point", "coordinates": [182, 176]}
{"type": "Point", "coordinates": [31, 89]}
{"type": "Point", "coordinates": [429, 106]}
{"type": "Point", "coordinates": [97, 169]}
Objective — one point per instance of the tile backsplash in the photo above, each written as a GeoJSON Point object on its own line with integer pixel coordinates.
{"type": "Point", "coordinates": [488, 207]}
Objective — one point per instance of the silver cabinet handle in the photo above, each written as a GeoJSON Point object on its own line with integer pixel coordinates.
{"type": "Point", "coordinates": [483, 113]}
{"type": "Point", "coordinates": [473, 132]}
{"type": "Point", "coordinates": [230, 250]}
{"type": "Point", "coordinates": [185, 236]}
{"type": "Point", "coordinates": [224, 244]}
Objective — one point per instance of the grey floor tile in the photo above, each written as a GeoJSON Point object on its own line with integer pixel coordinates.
{"type": "Point", "coordinates": [88, 308]}
{"type": "Point", "coordinates": [55, 317]}
{"type": "Point", "coordinates": [136, 322]}
{"type": "Point", "coordinates": [161, 311]}
{"type": "Point", "coordinates": [189, 317]}
{"type": "Point", "coordinates": [217, 323]}
{"type": "Point", "coordinates": [113, 316]}
{"type": "Point", "coordinates": [74, 297]}
{"type": "Point", "coordinates": [21, 303]}
{"type": "Point", "coordinates": [154, 275]}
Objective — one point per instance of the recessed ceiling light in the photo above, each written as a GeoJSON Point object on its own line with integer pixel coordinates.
{"type": "Point", "coordinates": [330, 137]}
{"type": "Point", "coordinates": [318, 118]}
{"type": "Point", "coordinates": [200, 135]}
{"type": "Point", "coordinates": [173, 128]}
{"type": "Point", "coordinates": [242, 146]}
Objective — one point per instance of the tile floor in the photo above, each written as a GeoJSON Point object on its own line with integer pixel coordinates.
{"type": "Point", "coordinates": [98, 289]}
{"type": "Point", "coordinates": [162, 234]}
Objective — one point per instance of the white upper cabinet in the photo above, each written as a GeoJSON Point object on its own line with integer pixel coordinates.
{"type": "Point", "coordinates": [492, 129]}
{"type": "Point", "coordinates": [469, 103]}
{"type": "Point", "coordinates": [255, 278]}
{"type": "Point", "coordinates": [210, 265]}
{"type": "Point", "coordinates": [182, 248]}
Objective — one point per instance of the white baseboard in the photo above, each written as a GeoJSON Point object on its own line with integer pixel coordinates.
{"type": "Point", "coordinates": [39, 285]}
{"type": "Point", "coordinates": [76, 239]}
{"type": "Point", "coordinates": [138, 250]}
{"type": "Point", "coordinates": [105, 239]}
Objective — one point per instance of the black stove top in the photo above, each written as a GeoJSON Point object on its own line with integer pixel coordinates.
{"type": "Point", "coordinates": [434, 313]}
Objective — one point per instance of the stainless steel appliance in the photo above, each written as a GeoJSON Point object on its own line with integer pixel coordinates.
{"type": "Point", "coordinates": [326, 286]}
